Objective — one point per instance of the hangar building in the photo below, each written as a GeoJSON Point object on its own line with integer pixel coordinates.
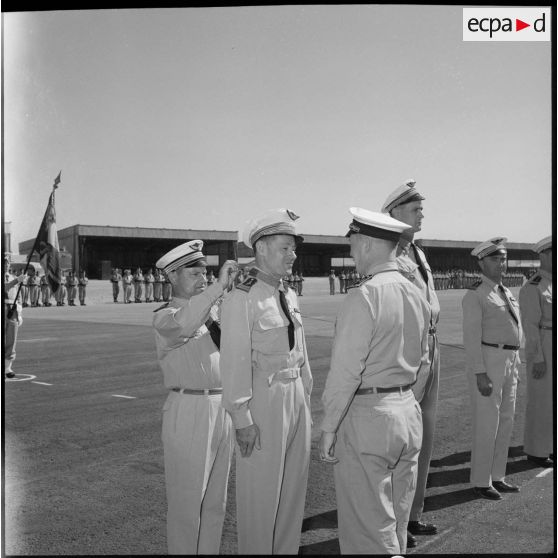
{"type": "Point", "coordinates": [98, 249]}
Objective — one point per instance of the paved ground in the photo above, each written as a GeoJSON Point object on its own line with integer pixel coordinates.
{"type": "Point", "coordinates": [83, 466]}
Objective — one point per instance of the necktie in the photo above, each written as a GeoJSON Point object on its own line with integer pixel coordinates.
{"type": "Point", "coordinates": [214, 331]}
{"type": "Point", "coordinates": [420, 263]}
{"type": "Point", "coordinates": [285, 307]}
{"type": "Point", "coordinates": [508, 303]}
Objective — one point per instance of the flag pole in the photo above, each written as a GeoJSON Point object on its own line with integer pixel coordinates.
{"type": "Point", "coordinates": [54, 186]}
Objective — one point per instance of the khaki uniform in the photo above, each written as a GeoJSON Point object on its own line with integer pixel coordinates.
{"type": "Point", "coordinates": [82, 289]}
{"type": "Point", "coordinates": [535, 301]}
{"type": "Point", "coordinates": [267, 383]}
{"type": "Point", "coordinates": [381, 341]}
{"type": "Point", "coordinates": [11, 323]}
{"type": "Point", "coordinates": [115, 279]}
{"type": "Point", "coordinates": [127, 281]}
{"type": "Point", "coordinates": [487, 318]}
{"type": "Point", "coordinates": [412, 263]}
{"type": "Point", "coordinates": [197, 432]}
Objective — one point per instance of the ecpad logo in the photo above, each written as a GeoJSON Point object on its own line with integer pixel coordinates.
{"type": "Point", "coordinates": [506, 24]}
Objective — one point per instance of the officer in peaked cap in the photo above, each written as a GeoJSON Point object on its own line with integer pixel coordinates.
{"type": "Point", "coordinates": [535, 302]}
{"type": "Point", "coordinates": [197, 432]}
{"type": "Point", "coordinates": [372, 427]}
{"type": "Point", "coordinates": [266, 388]}
{"type": "Point", "coordinates": [405, 204]}
{"type": "Point", "coordinates": [491, 337]}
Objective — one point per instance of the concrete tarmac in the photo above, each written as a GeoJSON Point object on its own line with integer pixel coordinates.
{"type": "Point", "coordinates": [83, 471]}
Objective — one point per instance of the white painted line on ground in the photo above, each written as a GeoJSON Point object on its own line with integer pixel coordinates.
{"type": "Point", "coordinates": [41, 383]}
{"type": "Point", "coordinates": [21, 378]}
{"type": "Point", "coordinates": [544, 473]}
{"type": "Point", "coordinates": [124, 396]}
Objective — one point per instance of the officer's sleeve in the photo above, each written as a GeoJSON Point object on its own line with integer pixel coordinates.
{"type": "Point", "coordinates": [178, 326]}
{"type": "Point", "coordinates": [531, 313]}
{"type": "Point", "coordinates": [236, 357]}
{"type": "Point", "coordinates": [351, 346]}
{"type": "Point", "coordinates": [472, 333]}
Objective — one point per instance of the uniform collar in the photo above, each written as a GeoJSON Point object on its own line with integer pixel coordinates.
{"type": "Point", "coordinates": [489, 282]}
{"type": "Point", "coordinates": [379, 268]}
{"type": "Point", "coordinates": [268, 279]}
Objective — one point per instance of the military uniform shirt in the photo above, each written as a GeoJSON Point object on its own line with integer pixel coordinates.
{"type": "Point", "coordinates": [187, 355]}
{"type": "Point", "coordinates": [381, 340]}
{"type": "Point", "coordinates": [536, 310]}
{"type": "Point", "coordinates": [411, 270]}
{"type": "Point", "coordinates": [486, 317]}
{"type": "Point", "coordinates": [257, 342]}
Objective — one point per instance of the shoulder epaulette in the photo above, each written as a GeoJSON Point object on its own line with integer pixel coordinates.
{"type": "Point", "coordinates": [475, 285]}
{"type": "Point", "coordinates": [247, 284]}
{"type": "Point", "coordinates": [536, 279]}
{"type": "Point", "coordinates": [161, 307]}
{"type": "Point", "coordinates": [361, 281]}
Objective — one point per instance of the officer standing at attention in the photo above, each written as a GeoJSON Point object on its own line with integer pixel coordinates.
{"type": "Point", "coordinates": [45, 291]}
{"type": "Point", "coordinates": [127, 281]}
{"type": "Point", "coordinates": [33, 286]}
{"type": "Point", "coordinates": [372, 428]}
{"type": "Point", "coordinates": [71, 285]}
{"type": "Point", "coordinates": [158, 285]}
{"type": "Point", "coordinates": [82, 287]}
{"type": "Point", "coordinates": [266, 388]}
{"type": "Point", "coordinates": [115, 279]}
{"type": "Point", "coordinates": [138, 285]}
{"type": "Point", "coordinates": [535, 302]}
{"type": "Point", "coordinates": [197, 432]}
{"type": "Point", "coordinates": [149, 281]}
{"type": "Point", "coordinates": [491, 336]}
{"type": "Point", "coordinates": [332, 282]}
{"type": "Point", "coordinates": [405, 204]}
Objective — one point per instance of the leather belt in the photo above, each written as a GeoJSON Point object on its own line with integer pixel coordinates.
{"type": "Point", "coordinates": [431, 330]}
{"type": "Point", "coordinates": [545, 327]}
{"type": "Point", "coordinates": [498, 346]}
{"type": "Point", "coordinates": [209, 391]}
{"type": "Point", "coordinates": [284, 374]}
{"type": "Point", "coordinates": [365, 391]}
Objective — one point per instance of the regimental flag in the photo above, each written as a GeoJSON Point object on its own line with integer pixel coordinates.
{"type": "Point", "coordinates": [47, 242]}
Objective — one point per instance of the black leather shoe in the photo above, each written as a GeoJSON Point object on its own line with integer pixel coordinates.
{"type": "Point", "coordinates": [10, 375]}
{"type": "Point", "coordinates": [503, 486]}
{"type": "Point", "coordinates": [420, 528]}
{"type": "Point", "coordinates": [487, 492]}
{"type": "Point", "coordinates": [411, 541]}
{"type": "Point", "coordinates": [540, 461]}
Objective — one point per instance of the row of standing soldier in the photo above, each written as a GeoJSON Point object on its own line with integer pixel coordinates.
{"type": "Point", "coordinates": [36, 291]}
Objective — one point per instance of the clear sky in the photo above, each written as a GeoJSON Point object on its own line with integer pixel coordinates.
{"type": "Point", "coordinates": [204, 117]}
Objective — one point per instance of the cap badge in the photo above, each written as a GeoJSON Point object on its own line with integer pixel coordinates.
{"type": "Point", "coordinates": [354, 227]}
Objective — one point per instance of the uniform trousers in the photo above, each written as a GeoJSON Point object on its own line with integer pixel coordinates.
{"type": "Point", "coordinates": [426, 393]}
{"type": "Point", "coordinates": [148, 292]}
{"type": "Point", "coordinates": [81, 293]}
{"type": "Point", "coordinates": [198, 445]}
{"type": "Point", "coordinates": [378, 444]}
{"type": "Point", "coordinates": [45, 291]}
{"type": "Point", "coordinates": [271, 483]}
{"type": "Point", "coordinates": [127, 292]}
{"type": "Point", "coordinates": [158, 291]}
{"type": "Point", "coordinates": [34, 295]}
{"type": "Point", "coordinates": [539, 417]}
{"type": "Point", "coordinates": [72, 290]}
{"type": "Point", "coordinates": [493, 416]}
{"type": "Point", "coordinates": [10, 337]}
{"type": "Point", "coordinates": [138, 290]}
{"type": "Point", "coordinates": [115, 290]}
